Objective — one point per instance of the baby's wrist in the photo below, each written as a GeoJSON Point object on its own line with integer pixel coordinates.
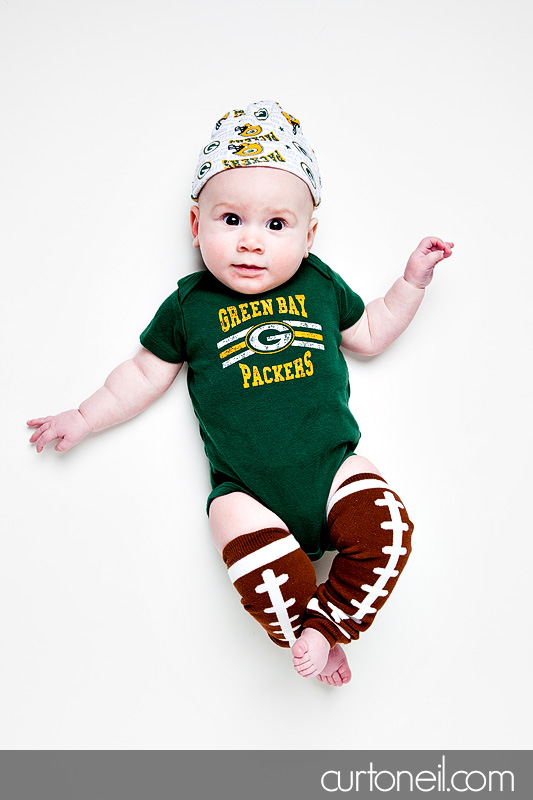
{"type": "Point", "coordinates": [90, 428]}
{"type": "Point", "coordinates": [412, 282]}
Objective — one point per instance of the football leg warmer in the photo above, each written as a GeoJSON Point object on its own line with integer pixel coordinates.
{"type": "Point", "coordinates": [370, 528]}
{"type": "Point", "coordinates": [275, 579]}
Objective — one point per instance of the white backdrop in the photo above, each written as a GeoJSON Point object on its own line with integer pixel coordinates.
{"type": "Point", "coordinates": [119, 626]}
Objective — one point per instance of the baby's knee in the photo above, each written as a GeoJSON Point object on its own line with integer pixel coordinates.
{"type": "Point", "coordinates": [354, 465]}
{"type": "Point", "coordinates": [237, 514]}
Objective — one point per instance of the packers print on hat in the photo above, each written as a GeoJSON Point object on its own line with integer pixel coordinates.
{"type": "Point", "coordinates": [262, 135]}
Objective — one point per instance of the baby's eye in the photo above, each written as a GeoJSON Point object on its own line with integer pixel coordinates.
{"type": "Point", "coordinates": [231, 219]}
{"type": "Point", "coordinates": [276, 224]}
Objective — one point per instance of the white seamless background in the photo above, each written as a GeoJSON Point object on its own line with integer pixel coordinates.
{"type": "Point", "coordinates": [119, 627]}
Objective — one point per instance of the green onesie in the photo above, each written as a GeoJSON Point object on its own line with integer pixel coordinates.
{"type": "Point", "coordinates": [269, 386]}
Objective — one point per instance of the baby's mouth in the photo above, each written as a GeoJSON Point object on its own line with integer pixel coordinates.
{"type": "Point", "coordinates": [248, 267]}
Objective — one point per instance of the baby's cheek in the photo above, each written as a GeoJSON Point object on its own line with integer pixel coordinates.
{"type": "Point", "coordinates": [214, 253]}
{"type": "Point", "coordinates": [291, 257]}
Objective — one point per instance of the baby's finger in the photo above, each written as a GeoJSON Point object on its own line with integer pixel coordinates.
{"type": "Point", "coordinates": [431, 243]}
{"type": "Point", "coordinates": [46, 436]}
{"type": "Point", "coordinates": [435, 256]}
{"type": "Point", "coordinates": [36, 423]}
{"type": "Point", "coordinates": [448, 247]}
{"type": "Point", "coordinates": [42, 429]}
{"type": "Point", "coordinates": [445, 247]}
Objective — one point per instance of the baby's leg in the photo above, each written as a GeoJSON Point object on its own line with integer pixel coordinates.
{"type": "Point", "coordinates": [371, 530]}
{"type": "Point", "coordinates": [267, 566]}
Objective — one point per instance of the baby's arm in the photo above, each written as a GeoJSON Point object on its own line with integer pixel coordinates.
{"type": "Point", "coordinates": [128, 390]}
{"type": "Point", "coordinates": [386, 318]}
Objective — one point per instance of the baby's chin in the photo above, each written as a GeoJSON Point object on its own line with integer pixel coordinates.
{"type": "Point", "coordinates": [249, 280]}
{"type": "Point", "coordinates": [254, 279]}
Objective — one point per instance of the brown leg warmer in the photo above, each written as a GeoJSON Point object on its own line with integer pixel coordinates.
{"type": "Point", "coordinates": [370, 528]}
{"type": "Point", "coordinates": [275, 579]}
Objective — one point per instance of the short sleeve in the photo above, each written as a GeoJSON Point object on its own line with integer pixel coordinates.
{"type": "Point", "coordinates": [165, 335]}
{"type": "Point", "coordinates": [351, 306]}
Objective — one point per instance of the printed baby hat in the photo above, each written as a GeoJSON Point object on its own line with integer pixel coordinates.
{"type": "Point", "coordinates": [263, 135]}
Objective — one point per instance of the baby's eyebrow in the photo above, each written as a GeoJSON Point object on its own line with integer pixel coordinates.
{"type": "Point", "coordinates": [283, 212]}
{"type": "Point", "coordinates": [270, 213]}
{"type": "Point", "coordinates": [224, 205]}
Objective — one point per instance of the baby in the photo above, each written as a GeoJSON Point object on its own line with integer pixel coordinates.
{"type": "Point", "coordinates": [261, 329]}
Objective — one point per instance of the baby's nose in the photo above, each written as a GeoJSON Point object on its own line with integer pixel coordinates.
{"type": "Point", "coordinates": [250, 239]}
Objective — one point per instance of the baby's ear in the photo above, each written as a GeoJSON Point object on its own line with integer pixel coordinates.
{"type": "Point", "coordinates": [311, 231]}
{"type": "Point", "coordinates": [195, 220]}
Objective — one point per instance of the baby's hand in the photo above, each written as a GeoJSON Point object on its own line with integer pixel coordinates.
{"type": "Point", "coordinates": [419, 269]}
{"type": "Point", "coordinates": [69, 426]}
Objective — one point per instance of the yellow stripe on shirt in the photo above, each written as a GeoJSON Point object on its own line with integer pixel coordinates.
{"type": "Point", "coordinates": [305, 335]}
{"type": "Point", "coordinates": [233, 349]}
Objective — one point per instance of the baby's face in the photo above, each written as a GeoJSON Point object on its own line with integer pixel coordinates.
{"type": "Point", "coordinates": [253, 226]}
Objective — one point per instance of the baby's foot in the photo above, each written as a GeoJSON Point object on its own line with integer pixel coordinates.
{"type": "Point", "coordinates": [336, 672]}
{"type": "Point", "coordinates": [310, 653]}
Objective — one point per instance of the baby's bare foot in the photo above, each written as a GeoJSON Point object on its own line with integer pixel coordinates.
{"type": "Point", "coordinates": [336, 672]}
{"type": "Point", "coordinates": [310, 653]}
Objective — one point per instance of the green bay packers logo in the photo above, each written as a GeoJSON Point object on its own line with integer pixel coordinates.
{"type": "Point", "coordinates": [308, 173]}
{"type": "Point", "coordinates": [302, 150]}
{"type": "Point", "coordinates": [270, 337]}
{"type": "Point", "coordinates": [261, 113]}
{"type": "Point", "coordinates": [211, 146]}
{"type": "Point", "coordinates": [204, 169]}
